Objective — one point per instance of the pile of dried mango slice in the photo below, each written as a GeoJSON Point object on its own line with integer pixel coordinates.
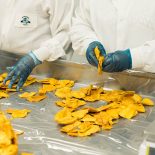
{"type": "Point", "coordinates": [78, 119]}
{"type": "Point", "coordinates": [8, 139]}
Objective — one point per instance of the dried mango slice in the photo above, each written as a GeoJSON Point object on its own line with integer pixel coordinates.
{"type": "Point", "coordinates": [64, 117]}
{"type": "Point", "coordinates": [29, 82]}
{"type": "Point", "coordinates": [4, 139]}
{"type": "Point", "coordinates": [108, 106]}
{"type": "Point", "coordinates": [64, 83]}
{"type": "Point", "coordinates": [24, 153]}
{"type": "Point", "coordinates": [71, 103]}
{"type": "Point", "coordinates": [114, 113]}
{"type": "Point", "coordinates": [49, 88]}
{"type": "Point", "coordinates": [128, 100]}
{"type": "Point", "coordinates": [9, 150]}
{"type": "Point", "coordinates": [87, 90]}
{"type": "Point", "coordinates": [100, 59]}
{"type": "Point", "coordinates": [36, 98]}
{"type": "Point", "coordinates": [3, 95]}
{"type": "Point", "coordinates": [147, 101]}
{"type": "Point", "coordinates": [137, 98]}
{"type": "Point", "coordinates": [8, 139]}
{"type": "Point", "coordinates": [70, 127]}
{"type": "Point", "coordinates": [27, 94]}
{"type": "Point", "coordinates": [1, 79]}
{"type": "Point", "coordinates": [42, 91]}
{"type": "Point", "coordinates": [17, 113]}
{"type": "Point", "coordinates": [80, 113]}
{"type": "Point", "coordinates": [92, 130]}
{"type": "Point", "coordinates": [140, 107]}
{"type": "Point", "coordinates": [88, 118]}
{"type": "Point", "coordinates": [107, 127]}
{"type": "Point", "coordinates": [92, 98]}
{"type": "Point", "coordinates": [46, 88]}
{"type": "Point", "coordinates": [63, 92]}
{"type": "Point", "coordinates": [4, 75]}
{"type": "Point", "coordinates": [83, 127]}
{"type": "Point", "coordinates": [51, 81]}
{"type": "Point", "coordinates": [102, 118]}
{"type": "Point", "coordinates": [128, 112]}
{"type": "Point", "coordinates": [78, 94]}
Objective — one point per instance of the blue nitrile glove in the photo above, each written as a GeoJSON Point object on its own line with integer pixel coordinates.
{"type": "Point", "coordinates": [117, 61]}
{"type": "Point", "coordinates": [22, 70]}
{"type": "Point", "coordinates": [90, 55]}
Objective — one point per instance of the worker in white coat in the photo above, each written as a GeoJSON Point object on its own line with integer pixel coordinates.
{"type": "Point", "coordinates": [123, 30]}
{"type": "Point", "coordinates": [37, 29]}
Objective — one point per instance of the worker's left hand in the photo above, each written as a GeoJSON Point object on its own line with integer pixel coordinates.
{"type": "Point", "coordinates": [117, 61]}
{"type": "Point", "coordinates": [22, 70]}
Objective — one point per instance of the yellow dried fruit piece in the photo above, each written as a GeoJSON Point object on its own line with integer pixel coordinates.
{"type": "Point", "coordinates": [147, 101]}
{"type": "Point", "coordinates": [18, 113]}
{"type": "Point", "coordinates": [24, 153]}
{"type": "Point", "coordinates": [93, 129]}
{"type": "Point", "coordinates": [8, 139]}
{"type": "Point", "coordinates": [63, 92]}
{"type": "Point", "coordinates": [108, 106]}
{"type": "Point", "coordinates": [78, 94]}
{"type": "Point", "coordinates": [140, 108]}
{"type": "Point", "coordinates": [71, 103]}
{"type": "Point", "coordinates": [36, 98]}
{"type": "Point", "coordinates": [64, 83]}
{"type": "Point", "coordinates": [51, 81]}
{"type": "Point", "coordinates": [3, 95]}
{"type": "Point", "coordinates": [60, 103]}
{"type": "Point", "coordinates": [100, 59]}
{"type": "Point", "coordinates": [42, 91]}
{"type": "Point", "coordinates": [70, 127]}
{"type": "Point", "coordinates": [29, 82]}
{"type": "Point", "coordinates": [87, 90]}
{"type": "Point", "coordinates": [9, 150]}
{"type": "Point", "coordinates": [4, 139]}
{"type": "Point", "coordinates": [137, 98]}
{"type": "Point", "coordinates": [4, 75]}
{"type": "Point", "coordinates": [1, 79]}
{"type": "Point", "coordinates": [127, 100]}
{"type": "Point", "coordinates": [46, 88]}
{"type": "Point", "coordinates": [64, 117]}
{"type": "Point", "coordinates": [114, 113]}
{"type": "Point", "coordinates": [80, 113]}
{"type": "Point", "coordinates": [128, 112]}
{"type": "Point", "coordinates": [92, 98]}
{"type": "Point", "coordinates": [88, 118]}
{"type": "Point", "coordinates": [49, 88]}
{"type": "Point", "coordinates": [92, 109]}
{"type": "Point", "coordinates": [107, 127]}
{"type": "Point", "coordinates": [102, 118]}
{"type": "Point", "coordinates": [27, 94]}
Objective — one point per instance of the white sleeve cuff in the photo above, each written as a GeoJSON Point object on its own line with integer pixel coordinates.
{"type": "Point", "coordinates": [50, 51]}
{"type": "Point", "coordinates": [137, 55]}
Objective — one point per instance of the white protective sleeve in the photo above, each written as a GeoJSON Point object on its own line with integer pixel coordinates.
{"type": "Point", "coordinates": [82, 33]}
{"type": "Point", "coordinates": [143, 57]}
{"type": "Point", "coordinates": [60, 12]}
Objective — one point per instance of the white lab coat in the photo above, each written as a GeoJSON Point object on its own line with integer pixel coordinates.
{"type": "Point", "coordinates": [118, 25]}
{"type": "Point", "coordinates": [35, 25]}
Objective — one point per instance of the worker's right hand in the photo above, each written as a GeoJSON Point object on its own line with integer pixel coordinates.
{"type": "Point", "coordinates": [90, 54]}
